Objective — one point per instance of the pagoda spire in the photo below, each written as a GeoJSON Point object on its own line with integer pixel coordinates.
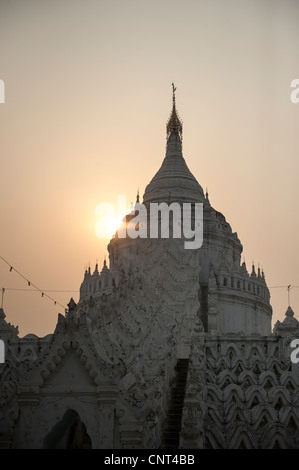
{"type": "Point", "coordinates": [174, 124]}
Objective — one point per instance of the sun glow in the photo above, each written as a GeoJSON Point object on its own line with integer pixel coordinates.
{"type": "Point", "coordinates": [108, 222]}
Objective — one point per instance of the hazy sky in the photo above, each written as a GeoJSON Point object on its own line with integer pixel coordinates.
{"type": "Point", "coordinates": [87, 97]}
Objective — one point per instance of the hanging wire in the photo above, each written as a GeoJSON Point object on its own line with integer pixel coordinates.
{"type": "Point", "coordinates": [289, 287]}
{"type": "Point", "coordinates": [37, 290]}
{"type": "Point", "coordinates": [11, 268]}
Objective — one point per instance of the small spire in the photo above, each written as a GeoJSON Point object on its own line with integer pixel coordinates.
{"type": "Point", "coordinates": [259, 271]}
{"type": "Point", "coordinates": [289, 296]}
{"type": "Point", "coordinates": [207, 196]}
{"type": "Point", "coordinates": [137, 203]}
{"type": "Point", "coordinates": [243, 267]}
{"type": "Point", "coordinates": [105, 267]}
{"type": "Point", "coordinates": [289, 312]}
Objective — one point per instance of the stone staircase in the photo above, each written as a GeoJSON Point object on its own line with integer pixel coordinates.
{"type": "Point", "coordinates": [171, 432]}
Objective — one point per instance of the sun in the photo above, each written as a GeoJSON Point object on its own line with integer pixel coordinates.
{"type": "Point", "coordinates": [108, 222]}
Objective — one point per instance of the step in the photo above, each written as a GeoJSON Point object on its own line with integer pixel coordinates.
{"type": "Point", "coordinates": [170, 447]}
{"type": "Point", "coordinates": [181, 382]}
{"type": "Point", "coordinates": [182, 362]}
{"type": "Point", "coordinates": [175, 407]}
{"type": "Point", "coordinates": [174, 420]}
{"type": "Point", "coordinates": [171, 442]}
{"type": "Point", "coordinates": [172, 427]}
{"type": "Point", "coordinates": [171, 435]}
{"type": "Point", "coordinates": [173, 424]}
{"type": "Point", "coordinates": [179, 387]}
{"type": "Point", "coordinates": [177, 399]}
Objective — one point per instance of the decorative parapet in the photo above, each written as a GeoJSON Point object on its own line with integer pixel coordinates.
{"type": "Point", "coordinates": [243, 282]}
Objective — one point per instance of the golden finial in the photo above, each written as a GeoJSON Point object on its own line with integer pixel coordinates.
{"type": "Point", "coordinates": [174, 124]}
{"type": "Point", "coordinates": [173, 92]}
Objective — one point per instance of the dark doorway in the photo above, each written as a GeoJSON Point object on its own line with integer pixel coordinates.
{"type": "Point", "coordinates": [69, 433]}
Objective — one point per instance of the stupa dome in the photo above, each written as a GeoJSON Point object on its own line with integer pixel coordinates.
{"type": "Point", "coordinates": [173, 182]}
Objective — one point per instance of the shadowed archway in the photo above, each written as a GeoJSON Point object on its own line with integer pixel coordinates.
{"type": "Point", "coordinates": [69, 433]}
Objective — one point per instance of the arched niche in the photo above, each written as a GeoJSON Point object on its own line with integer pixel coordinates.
{"type": "Point", "coordinates": [69, 433]}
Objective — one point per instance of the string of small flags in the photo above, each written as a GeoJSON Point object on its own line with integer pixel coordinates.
{"type": "Point", "coordinates": [30, 284]}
